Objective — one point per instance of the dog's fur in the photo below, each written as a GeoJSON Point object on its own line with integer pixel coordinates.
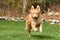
{"type": "Point", "coordinates": [33, 20]}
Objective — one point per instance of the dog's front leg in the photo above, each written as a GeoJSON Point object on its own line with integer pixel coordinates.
{"type": "Point", "coordinates": [34, 27]}
{"type": "Point", "coordinates": [40, 26]}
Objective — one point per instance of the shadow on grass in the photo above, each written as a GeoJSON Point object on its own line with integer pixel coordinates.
{"type": "Point", "coordinates": [42, 36]}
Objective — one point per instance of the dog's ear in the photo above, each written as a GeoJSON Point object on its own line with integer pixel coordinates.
{"type": "Point", "coordinates": [38, 8]}
{"type": "Point", "coordinates": [32, 8]}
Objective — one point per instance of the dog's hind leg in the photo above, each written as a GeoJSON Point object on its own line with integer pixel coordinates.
{"type": "Point", "coordinates": [28, 29]}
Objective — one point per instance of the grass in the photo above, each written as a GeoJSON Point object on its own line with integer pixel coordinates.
{"type": "Point", "coordinates": [12, 30]}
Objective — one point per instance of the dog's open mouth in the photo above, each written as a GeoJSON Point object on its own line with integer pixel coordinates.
{"type": "Point", "coordinates": [35, 18]}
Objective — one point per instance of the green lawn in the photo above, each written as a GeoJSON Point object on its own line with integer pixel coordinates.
{"type": "Point", "coordinates": [12, 30]}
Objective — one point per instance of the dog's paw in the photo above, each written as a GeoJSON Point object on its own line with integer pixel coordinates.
{"type": "Point", "coordinates": [40, 30]}
{"type": "Point", "coordinates": [29, 36]}
{"type": "Point", "coordinates": [36, 30]}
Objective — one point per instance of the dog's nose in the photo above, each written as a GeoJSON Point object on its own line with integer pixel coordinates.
{"type": "Point", "coordinates": [35, 17]}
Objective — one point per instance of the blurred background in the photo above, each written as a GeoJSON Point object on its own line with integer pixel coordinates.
{"type": "Point", "coordinates": [18, 9]}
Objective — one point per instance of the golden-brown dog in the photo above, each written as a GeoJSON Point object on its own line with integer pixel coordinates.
{"type": "Point", "coordinates": [33, 20]}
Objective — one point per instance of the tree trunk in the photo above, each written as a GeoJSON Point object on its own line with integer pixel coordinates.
{"type": "Point", "coordinates": [24, 7]}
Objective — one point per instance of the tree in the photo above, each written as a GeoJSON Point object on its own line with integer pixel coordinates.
{"type": "Point", "coordinates": [24, 7]}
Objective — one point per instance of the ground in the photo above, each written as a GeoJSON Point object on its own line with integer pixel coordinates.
{"type": "Point", "coordinates": [15, 30]}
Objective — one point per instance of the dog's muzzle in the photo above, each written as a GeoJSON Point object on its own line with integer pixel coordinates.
{"type": "Point", "coordinates": [35, 18]}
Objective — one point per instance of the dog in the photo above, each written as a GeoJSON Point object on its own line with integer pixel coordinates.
{"type": "Point", "coordinates": [33, 20]}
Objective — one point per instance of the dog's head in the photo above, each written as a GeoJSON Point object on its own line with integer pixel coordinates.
{"type": "Point", "coordinates": [35, 12]}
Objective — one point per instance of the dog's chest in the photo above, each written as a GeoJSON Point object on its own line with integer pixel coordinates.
{"type": "Point", "coordinates": [37, 22]}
